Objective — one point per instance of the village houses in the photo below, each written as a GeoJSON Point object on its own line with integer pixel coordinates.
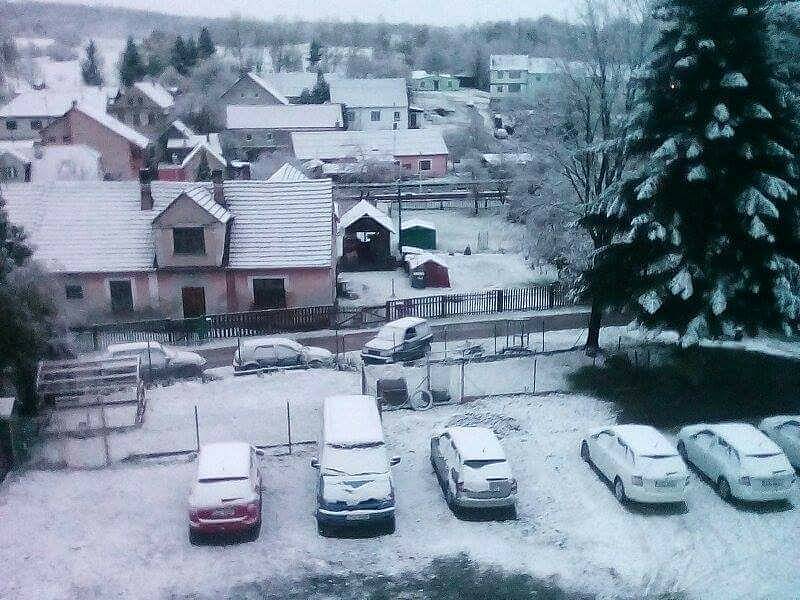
{"type": "Point", "coordinates": [146, 106]}
{"type": "Point", "coordinates": [129, 250]}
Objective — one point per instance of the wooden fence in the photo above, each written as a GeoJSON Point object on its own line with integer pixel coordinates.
{"type": "Point", "coordinates": [267, 322]}
{"type": "Point", "coordinates": [479, 303]}
{"type": "Point", "coordinates": [219, 326]}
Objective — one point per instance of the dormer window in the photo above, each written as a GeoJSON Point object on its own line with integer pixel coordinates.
{"type": "Point", "coordinates": [188, 240]}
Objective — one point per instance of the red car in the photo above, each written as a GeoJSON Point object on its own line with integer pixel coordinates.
{"type": "Point", "coordinates": [226, 495]}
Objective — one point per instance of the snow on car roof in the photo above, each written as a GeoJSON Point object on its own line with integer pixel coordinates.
{"type": "Point", "coordinates": [779, 420]}
{"type": "Point", "coordinates": [251, 343]}
{"type": "Point", "coordinates": [132, 347]}
{"type": "Point", "coordinates": [643, 439]}
{"type": "Point", "coordinates": [405, 322]}
{"type": "Point", "coordinates": [476, 443]}
{"type": "Point", "coordinates": [351, 421]}
{"type": "Point", "coordinates": [222, 460]}
{"type": "Point", "coordinates": [744, 437]}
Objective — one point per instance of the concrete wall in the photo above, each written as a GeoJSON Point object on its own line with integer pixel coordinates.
{"type": "Point", "coordinates": [95, 306]}
{"type": "Point", "coordinates": [360, 119]}
{"type": "Point", "coordinates": [304, 287]}
{"type": "Point", "coordinates": [121, 160]}
{"type": "Point", "coordinates": [170, 284]}
{"type": "Point", "coordinates": [246, 92]}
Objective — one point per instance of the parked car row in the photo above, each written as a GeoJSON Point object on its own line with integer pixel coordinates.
{"type": "Point", "coordinates": [743, 462]}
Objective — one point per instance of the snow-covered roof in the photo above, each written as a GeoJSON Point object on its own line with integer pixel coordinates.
{"type": "Point", "coordinates": [476, 443]}
{"type": "Point", "coordinates": [365, 209]}
{"type": "Point", "coordinates": [156, 92]}
{"type": "Point", "coordinates": [214, 150]}
{"type": "Point", "coordinates": [495, 159]}
{"type": "Point", "coordinates": [249, 344]}
{"type": "Point", "coordinates": [364, 93]}
{"type": "Point", "coordinates": [411, 223]}
{"type": "Point", "coordinates": [267, 86]}
{"type": "Point", "coordinates": [644, 440]}
{"type": "Point", "coordinates": [744, 437]}
{"type": "Point", "coordinates": [20, 149]}
{"type": "Point", "coordinates": [279, 116]}
{"type": "Point", "coordinates": [292, 84]}
{"type": "Point", "coordinates": [509, 62]}
{"type": "Point", "coordinates": [368, 145]}
{"type": "Point", "coordinates": [351, 421]}
{"type": "Point", "coordinates": [73, 162]}
{"type": "Point", "coordinates": [52, 103]}
{"type": "Point", "coordinates": [114, 124]}
{"type": "Point", "coordinates": [223, 460]}
{"type": "Point", "coordinates": [777, 421]}
{"type": "Point", "coordinates": [98, 226]}
{"type": "Point", "coordinates": [412, 250]}
{"type": "Point", "coordinates": [423, 74]}
{"type": "Point", "coordinates": [190, 140]}
{"type": "Point", "coordinates": [204, 198]}
{"type": "Point", "coordinates": [182, 128]}
{"type": "Point", "coordinates": [406, 322]}
{"type": "Point", "coordinates": [287, 173]}
{"type": "Point", "coordinates": [416, 260]}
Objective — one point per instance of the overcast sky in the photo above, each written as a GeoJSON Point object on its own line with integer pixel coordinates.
{"type": "Point", "coordinates": [445, 12]}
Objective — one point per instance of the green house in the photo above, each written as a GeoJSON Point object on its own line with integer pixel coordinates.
{"type": "Point", "coordinates": [422, 81]}
{"type": "Point", "coordinates": [418, 234]}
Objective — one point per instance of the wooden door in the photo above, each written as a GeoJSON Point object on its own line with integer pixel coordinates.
{"type": "Point", "coordinates": [194, 302]}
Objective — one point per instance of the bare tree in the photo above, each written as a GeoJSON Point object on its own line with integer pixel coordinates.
{"type": "Point", "coordinates": [599, 87]}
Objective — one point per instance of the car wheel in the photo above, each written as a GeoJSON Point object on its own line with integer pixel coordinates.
{"type": "Point", "coordinates": [391, 525]}
{"type": "Point", "coordinates": [323, 529]}
{"type": "Point", "coordinates": [682, 452]}
{"type": "Point", "coordinates": [194, 537]}
{"type": "Point", "coordinates": [585, 452]}
{"type": "Point", "coordinates": [510, 513]}
{"type": "Point", "coordinates": [619, 491]}
{"type": "Point", "coordinates": [254, 532]}
{"type": "Point", "coordinates": [724, 489]}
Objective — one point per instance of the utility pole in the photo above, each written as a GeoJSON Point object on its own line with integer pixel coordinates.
{"type": "Point", "coordinates": [399, 218]}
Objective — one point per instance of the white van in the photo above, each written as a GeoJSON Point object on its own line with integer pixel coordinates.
{"type": "Point", "coordinates": [408, 338]}
{"type": "Point", "coordinates": [355, 483]}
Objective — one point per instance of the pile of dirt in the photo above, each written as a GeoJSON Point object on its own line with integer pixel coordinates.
{"type": "Point", "coordinates": [502, 425]}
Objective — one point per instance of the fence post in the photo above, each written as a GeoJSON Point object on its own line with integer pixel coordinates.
{"type": "Point", "coordinates": [542, 335]}
{"type": "Point", "coordinates": [499, 300]}
{"type": "Point", "coordinates": [462, 381]}
{"type": "Point", "coordinates": [196, 428]}
{"type": "Point", "coordinates": [495, 337]}
{"type": "Point", "coordinates": [289, 426]}
{"type": "Point", "coordinates": [95, 337]}
{"type": "Point", "coordinates": [445, 342]}
{"type": "Point", "coordinates": [535, 361]}
{"type": "Point", "coordinates": [551, 289]}
{"type": "Point", "coordinates": [363, 380]}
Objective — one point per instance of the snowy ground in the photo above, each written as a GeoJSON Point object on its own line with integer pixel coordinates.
{"type": "Point", "coordinates": [132, 521]}
{"type": "Point", "coordinates": [467, 274]}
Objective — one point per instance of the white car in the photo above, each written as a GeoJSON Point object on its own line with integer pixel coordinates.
{"type": "Point", "coordinates": [158, 358]}
{"type": "Point", "coordinates": [784, 431]}
{"type": "Point", "coordinates": [639, 461]}
{"type": "Point", "coordinates": [742, 462]}
{"type": "Point", "coordinates": [472, 468]}
{"type": "Point", "coordinates": [226, 494]}
{"type": "Point", "coordinates": [275, 352]}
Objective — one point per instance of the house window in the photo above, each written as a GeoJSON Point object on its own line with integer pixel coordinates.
{"type": "Point", "coordinates": [66, 139]}
{"type": "Point", "coordinates": [424, 165]}
{"type": "Point", "coordinates": [268, 293]}
{"type": "Point", "coordinates": [36, 124]}
{"type": "Point", "coordinates": [397, 115]}
{"type": "Point", "coordinates": [514, 87]}
{"type": "Point", "coordinates": [73, 291]}
{"type": "Point", "coordinates": [500, 89]}
{"type": "Point", "coordinates": [375, 115]}
{"type": "Point", "coordinates": [394, 125]}
{"type": "Point", "coordinates": [514, 74]}
{"type": "Point", "coordinates": [188, 240]}
{"type": "Point", "coordinates": [121, 296]}
{"type": "Point", "coordinates": [11, 125]}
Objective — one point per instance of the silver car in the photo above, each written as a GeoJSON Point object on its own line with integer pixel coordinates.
{"type": "Point", "coordinates": [275, 352]}
{"type": "Point", "coordinates": [784, 431]}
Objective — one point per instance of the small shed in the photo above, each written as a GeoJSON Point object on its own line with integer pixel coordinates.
{"type": "Point", "coordinates": [419, 234]}
{"type": "Point", "coordinates": [366, 235]}
{"type": "Point", "coordinates": [432, 267]}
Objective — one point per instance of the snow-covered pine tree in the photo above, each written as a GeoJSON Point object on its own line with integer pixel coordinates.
{"type": "Point", "coordinates": [711, 215]}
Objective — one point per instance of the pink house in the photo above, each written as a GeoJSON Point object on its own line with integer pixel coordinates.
{"type": "Point", "coordinates": [123, 150]}
{"type": "Point", "coordinates": [416, 152]}
{"type": "Point", "coordinates": [129, 250]}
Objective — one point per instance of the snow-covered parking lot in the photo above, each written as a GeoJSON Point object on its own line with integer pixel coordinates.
{"type": "Point", "coordinates": [122, 531]}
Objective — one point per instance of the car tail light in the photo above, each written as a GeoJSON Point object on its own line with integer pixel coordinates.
{"type": "Point", "coordinates": [637, 480]}
{"type": "Point", "coordinates": [744, 480]}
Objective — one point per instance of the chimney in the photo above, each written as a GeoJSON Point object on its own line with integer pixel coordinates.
{"type": "Point", "coordinates": [146, 194]}
{"type": "Point", "coordinates": [219, 190]}
{"type": "Point", "coordinates": [38, 152]}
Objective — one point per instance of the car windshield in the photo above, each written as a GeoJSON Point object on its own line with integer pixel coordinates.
{"type": "Point", "coordinates": [477, 464]}
{"type": "Point", "coordinates": [354, 461]}
{"type": "Point", "coordinates": [390, 333]}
